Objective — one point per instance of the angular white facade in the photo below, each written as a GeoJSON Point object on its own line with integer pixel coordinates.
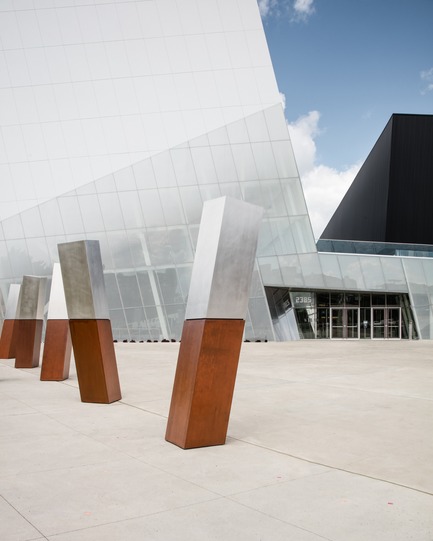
{"type": "Point", "coordinates": [118, 120]}
{"type": "Point", "coordinates": [87, 88]}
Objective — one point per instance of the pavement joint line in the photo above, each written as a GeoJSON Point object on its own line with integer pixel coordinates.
{"type": "Point", "coordinates": [155, 513]}
{"type": "Point", "coordinates": [335, 468]}
{"type": "Point", "coordinates": [24, 517]}
{"type": "Point", "coordinates": [276, 518]}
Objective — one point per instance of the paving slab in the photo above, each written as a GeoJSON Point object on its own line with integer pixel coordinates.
{"type": "Point", "coordinates": [327, 440]}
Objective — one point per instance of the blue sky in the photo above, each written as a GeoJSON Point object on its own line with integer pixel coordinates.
{"type": "Point", "coordinates": [344, 66]}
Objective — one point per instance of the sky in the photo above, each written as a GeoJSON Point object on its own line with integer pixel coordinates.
{"type": "Point", "coordinates": [343, 68]}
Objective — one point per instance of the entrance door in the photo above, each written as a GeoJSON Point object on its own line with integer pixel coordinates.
{"type": "Point", "coordinates": [345, 323]}
{"type": "Point", "coordinates": [386, 323]}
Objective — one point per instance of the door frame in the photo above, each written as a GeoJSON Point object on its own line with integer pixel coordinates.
{"type": "Point", "coordinates": [345, 326]}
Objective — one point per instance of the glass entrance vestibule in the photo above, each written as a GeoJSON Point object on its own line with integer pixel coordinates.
{"type": "Point", "coordinates": [341, 315]}
{"type": "Point", "coordinates": [375, 322]}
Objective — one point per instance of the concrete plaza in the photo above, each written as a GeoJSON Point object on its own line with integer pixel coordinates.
{"type": "Point", "coordinates": [327, 441]}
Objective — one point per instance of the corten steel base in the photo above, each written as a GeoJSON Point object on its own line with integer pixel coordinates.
{"type": "Point", "coordinates": [95, 360]}
{"type": "Point", "coordinates": [56, 358]}
{"type": "Point", "coordinates": [8, 339]}
{"type": "Point", "coordinates": [204, 382]}
{"type": "Point", "coordinates": [28, 342]}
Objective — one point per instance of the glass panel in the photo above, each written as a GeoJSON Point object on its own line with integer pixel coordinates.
{"type": "Point", "coordinates": [231, 189]}
{"type": "Point", "coordinates": [151, 207]}
{"type": "Point", "coordinates": [183, 167]}
{"type": "Point", "coordinates": [257, 127]}
{"type": "Point", "coordinates": [282, 235]}
{"type": "Point", "coordinates": [272, 198]}
{"type": "Point", "coordinates": [352, 323]}
{"type": "Point", "coordinates": [180, 245]}
{"type": "Point", "coordinates": [291, 271]}
{"type": "Point", "coordinates": [163, 168]}
{"type": "Point", "coordinates": [184, 277]}
{"type": "Point", "coordinates": [138, 248]}
{"type": "Point", "coordinates": [378, 322]}
{"type": "Point", "coordinates": [322, 323]}
{"type": "Point", "coordinates": [169, 286]}
{"type": "Point", "coordinates": [51, 219]}
{"type": "Point", "coordinates": [144, 174]}
{"type": "Point", "coordinates": [302, 234]}
{"type": "Point", "coordinates": [128, 287]}
{"type": "Point", "coordinates": [256, 289]}
{"type": "Point", "coordinates": [105, 184]}
{"type": "Point", "coordinates": [32, 223]}
{"type": "Point", "coordinates": [39, 257]}
{"type": "Point", "coordinates": [285, 159]}
{"type": "Point", "coordinates": [251, 192]}
{"type": "Point", "coordinates": [237, 132]}
{"type": "Point", "coordinates": [351, 299]}
{"type": "Point", "coordinates": [331, 271]}
{"type": "Point", "coordinates": [394, 322]}
{"type": "Point", "coordinates": [244, 161]}
{"type": "Point", "coordinates": [192, 203]}
{"type": "Point", "coordinates": [311, 270]}
{"type": "Point", "coordinates": [159, 251]}
{"type": "Point", "coordinates": [153, 323]}
{"type": "Point", "coordinates": [112, 291]}
{"type": "Point", "coordinates": [372, 273]}
{"type": "Point", "coordinates": [146, 288]}
{"type": "Point", "coordinates": [107, 261]}
{"type": "Point", "coordinates": [265, 160]}
{"type": "Point", "coordinates": [91, 213]}
{"type": "Point", "coordinates": [175, 314]}
{"type": "Point", "coordinates": [277, 125]}
{"type": "Point", "coordinates": [378, 299]}
{"type": "Point", "coordinates": [204, 165]}
{"type": "Point", "coordinates": [124, 179]}
{"type": "Point", "coordinates": [270, 271]}
{"type": "Point", "coordinates": [210, 191]}
{"type": "Point", "coordinates": [293, 196]}
{"type": "Point", "coordinates": [19, 258]}
{"type": "Point", "coordinates": [266, 245]}
{"type": "Point", "coordinates": [172, 206]}
{"type": "Point", "coordinates": [137, 324]}
{"type": "Point", "coordinates": [118, 323]}
{"type": "Point", "coordinates": [337, 323]}
{"type": "Point", "coordinates": [260, 319]}
{"type": "Point", "coordinates": [5, 267]}
{"type": "Point", "coordinates": [111, 212]}
{"type": "Point", "coordinates": [13, 228]}
{"type": "Point", "coordinates": [415, 275]}
{"type": "Point", "coordinates": [131, 209]}
{"type": "Point", "coordinates": [351, 271]}
{"type": "Point", "coordinates": [224, 164]}
{"type": "Point", "coordinates": [119, 248]}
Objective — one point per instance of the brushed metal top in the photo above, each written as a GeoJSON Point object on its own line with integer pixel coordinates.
{"type": "Point", "coordinates": [57, 307]}
{"type": "Point", "coordinates": [31, 302]}
{"type": "Point", "coordinates": [2, 305]}
{"type": "Point", "coordinates": [83, 279]}
{"type": "Point", "coordinates": [224, 259]}
{"type": "Point", "coordinates": [12, 302]}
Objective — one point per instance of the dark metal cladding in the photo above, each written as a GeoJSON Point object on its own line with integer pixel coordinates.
{"type": "Point", "coordinates": [390, 199]}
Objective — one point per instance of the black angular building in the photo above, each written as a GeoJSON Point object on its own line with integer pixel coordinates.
{"type": "Point", "coordinates": [390, 199]}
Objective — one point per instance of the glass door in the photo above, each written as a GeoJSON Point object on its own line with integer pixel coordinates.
{"type": "Point", "coordinates": [345, 323]}
{"type": "Point", "coordinates": [394, 322]}
{"type": "Point", "coordinates": [378, 323]}
{"type": "Point", "coordinates": [386, 323]}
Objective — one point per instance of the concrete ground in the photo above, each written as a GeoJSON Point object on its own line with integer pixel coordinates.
{"type": "Point", "coordinates": [327, 440]}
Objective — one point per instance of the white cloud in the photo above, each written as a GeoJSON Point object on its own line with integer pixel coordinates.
{"type": "Point", "coordinates": [303, 8]}
{"type": "Point", "coordinates": [427, 78]}
{"type": "Point", "coordinates": [324, 187]}
{"type": "Point", "coordinates": [266, 7]}
{"type": "Point", "coordinates": [295, 10]}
